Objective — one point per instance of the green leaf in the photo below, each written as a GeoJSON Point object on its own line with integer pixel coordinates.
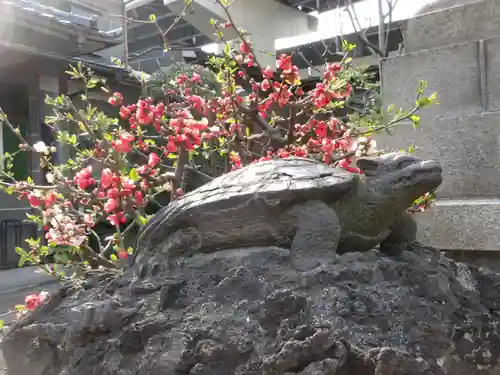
{"type": "Point", "coordinates": [21, 252]}
{"type": "Point", "coordinates": [92, 83]}
{"type": "Point", "coordinates": [227, 50]}
{"type": "Point", "coordinates": [346, 46]}
{"type": "Point", "coordinates": [133, 175]}
{"type": "Point", "coordinates": [415, 119]}
{"type": "Point", "coordinates": [142, 220]}
{"type": "Point", "coordinates": [21, 262]}
{"type": "Point", "coordinates": [2, 323]}
{"type": "Point", "coordinates": [49, 100]}
{"type": "Point", "coordinates": [423, 102]}
{"type": "Point", "coordinates": [152, 18]}
{"type": "Point", "coordinates": [9, 190]}
{"type": "Point", "coordinates": [421, 86]}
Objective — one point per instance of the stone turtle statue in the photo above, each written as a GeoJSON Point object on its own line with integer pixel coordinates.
{"type": "Point", "coordinates": [296, 203]}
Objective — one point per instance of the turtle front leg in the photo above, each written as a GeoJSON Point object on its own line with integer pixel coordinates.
{"type": "Point", "coordinates": [403, 234]}
{"type": "Point", "coordinates": [316, 227]}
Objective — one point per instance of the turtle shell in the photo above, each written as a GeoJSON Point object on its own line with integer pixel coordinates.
{"type": "Point", "coordinates": [271, 185]}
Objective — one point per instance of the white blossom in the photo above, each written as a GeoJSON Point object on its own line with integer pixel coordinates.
{"type": "Point", "coordinates": [41, 147]}
{"type": "Point", "coordinates": [50, 178]}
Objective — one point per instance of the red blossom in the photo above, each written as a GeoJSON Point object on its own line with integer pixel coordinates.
{"type": "Point", "coordinates": [116, 99]}
{"type": "Point", "coordinates": [34, 200]}
{"type": "Point", "coordinates": [139, 198]}
{"type": "Point", "coordinates": [84, 178]}
{"type": "Point", "coordinates": [106, 178]}
{"type": "Point", "coordinates": [122, 254]}
{"type": "Point", "coordinates": [153, 160]}
{"type": "Point", "coordinates": [111, 205]}
{"type": "Point", "coordinates": [268, 73]}
{"type": "Point", "coordinates": [32, 301]}
{"type": "Point", "coordinates": [195, 78]}
{"type": "Point", "coordinates": [245, 47]}
{"type": "Point", "coordinates": [50, 199]}
{"type": "Point", "coordinates": [117, 219]}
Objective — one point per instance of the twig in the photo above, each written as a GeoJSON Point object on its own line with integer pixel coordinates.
{"type": "Point", "coordinates": [182, 160]}
{"type": "Point", "coordinates": [230, 19]}
{"type": "Point", "coordinates": [362, 33]}
{"type": "Point", "coordinates": [100, 260]}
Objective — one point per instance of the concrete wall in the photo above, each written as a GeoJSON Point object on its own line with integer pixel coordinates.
{"type": "Point", "coordinates": [462, 132]}
{"type": "Point", "coordinates": [473, 21]}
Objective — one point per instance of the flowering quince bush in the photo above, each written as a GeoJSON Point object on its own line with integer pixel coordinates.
{"type": "Point", "coordinates": [31, 302]}
{"type": "Point", "coordinates": [121, 164]}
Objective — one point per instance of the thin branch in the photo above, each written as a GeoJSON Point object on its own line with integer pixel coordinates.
{"type": "Point", "coordinates": [91, 254]}
{"type": "Point", "coordinates": [391, 5]}
{"type": "Point", "coordinates": [362, 32]}
{"type": "Point", "coordinates": [230, 19]}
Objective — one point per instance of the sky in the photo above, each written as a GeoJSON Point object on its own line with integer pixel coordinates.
{"type": "Point", "coordinates": [337, 22]}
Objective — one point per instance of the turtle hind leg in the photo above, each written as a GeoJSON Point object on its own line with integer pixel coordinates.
{"type": "Point", "coordinates": [403, 235]}
{"type": "Point", "coordinates": [184, 242]}
{"type": "Point", "coordinates": [316, 229]}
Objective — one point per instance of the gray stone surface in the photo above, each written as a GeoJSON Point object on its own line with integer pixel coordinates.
{"type": "Point", "coordinates": [492, 73]}
{"type": "Point", "coordinates": [461, 225]}
{"type": "Point", "coordinates": [457, 50]}
{"type": "Point", "coordinates": [480, 258]}
{"type": "Point", "coordinates": [468, 22]}
{"type": "Point", "coordinates": [22, 278]}
{"type": "Point", "coordinates": [435, 5]}
{"type": "Point", "coordinates": [452, 71]}
{"type": "Point", "coordinates": [468, 149]}
{"type": "Point", "coordinates": [251, 311]}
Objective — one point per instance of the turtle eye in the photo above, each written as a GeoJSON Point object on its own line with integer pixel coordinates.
{"type": "Point", "coordinates": [405, 163]}
{"type": "Point", "coordinates": [368, 166]}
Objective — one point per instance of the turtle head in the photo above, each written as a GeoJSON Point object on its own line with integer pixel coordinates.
{"type": "Point", "coordinates": [400, 176]}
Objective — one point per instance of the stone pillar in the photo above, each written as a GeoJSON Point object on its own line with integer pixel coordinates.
{"type": "Point", "coordinates": [50, 85]}
{"type": "Point", "coordinates": [462, 131]}
{"type": "Point", "coordinates": [34, 131]}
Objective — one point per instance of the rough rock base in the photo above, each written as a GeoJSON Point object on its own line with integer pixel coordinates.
{"type": "Point", "coordinates": [252, 311]}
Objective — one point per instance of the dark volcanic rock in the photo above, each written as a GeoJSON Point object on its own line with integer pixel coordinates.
{"type": "Point", "coordinates": [252, 311]}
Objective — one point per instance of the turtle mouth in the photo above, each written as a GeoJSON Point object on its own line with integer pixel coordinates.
{"type": "Point", "coordinates": [427, 172]}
